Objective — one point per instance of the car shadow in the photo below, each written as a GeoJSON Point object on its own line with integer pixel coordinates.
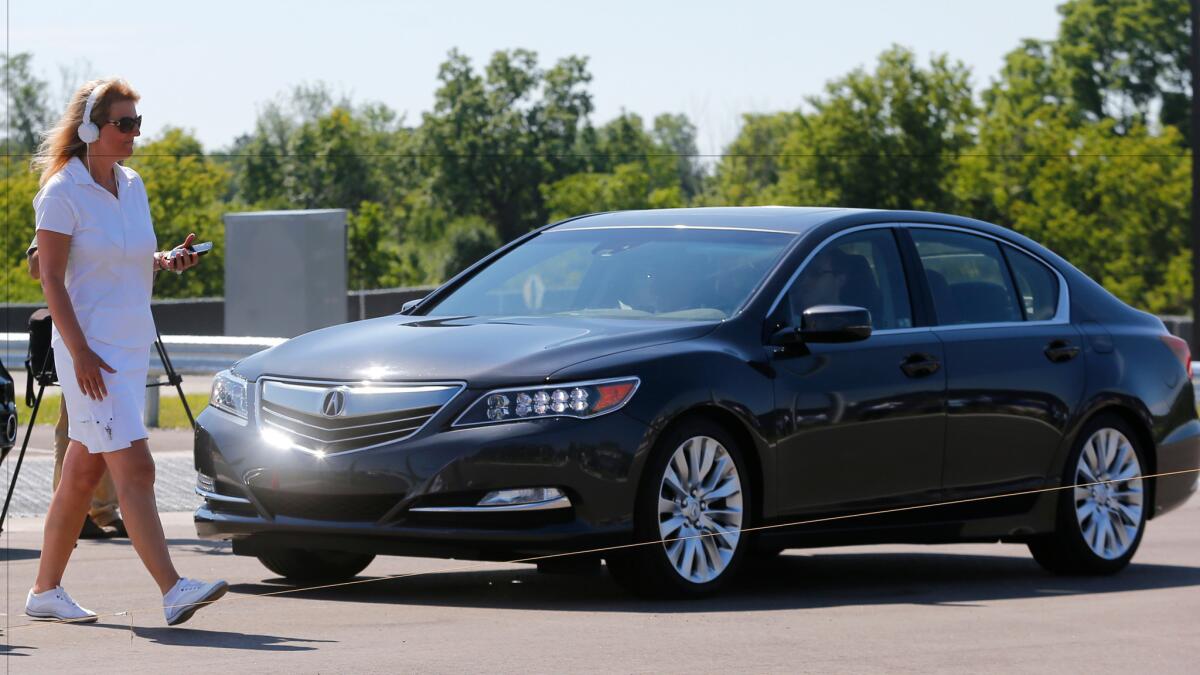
{"type": "Point", "coordinates": [210, 546]}
{"type": "Point", "coordinates": [187, 637]}
{"type": "Point", "coordinates": [790, 581]}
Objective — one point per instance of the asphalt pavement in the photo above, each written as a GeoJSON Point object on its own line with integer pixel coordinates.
{"type": "Point", "coordinates": [885, 609]}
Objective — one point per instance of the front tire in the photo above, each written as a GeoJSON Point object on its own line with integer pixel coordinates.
{"type": "Point", "coordinates": [315, 567]}
{"type": "Point", "coordinates": [1100, 524]}
{"type": "Point", "coordinates": [693, 503]}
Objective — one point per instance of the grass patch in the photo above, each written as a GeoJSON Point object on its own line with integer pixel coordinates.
{"type": "Point", "coordinates": [170, 409]}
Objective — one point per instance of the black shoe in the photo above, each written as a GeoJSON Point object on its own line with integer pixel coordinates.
{"type": "Point", "coordinates": [92, 531]}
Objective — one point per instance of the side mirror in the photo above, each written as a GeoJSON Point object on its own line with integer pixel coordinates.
{"type": "Point", "coordinates": [827, 323]}
{"type": "Point", "coordinates": [835, 323]}
{"type": "Point", "coordinates": [408, 306]}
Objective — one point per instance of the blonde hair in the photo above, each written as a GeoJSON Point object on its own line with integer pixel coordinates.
{"type": "Point", "coordinates": [62, 141]}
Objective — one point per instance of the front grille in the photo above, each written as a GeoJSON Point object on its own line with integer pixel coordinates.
{"type": "Point", "coordinates": [341, 434]}
{"type": "Point", "coordinates": [343, 508]}
{"type": "Point", "coordinates": [367, 416]}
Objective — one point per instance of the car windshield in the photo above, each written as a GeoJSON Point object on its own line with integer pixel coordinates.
{"type": "Point", "coordinates": [679, 273]}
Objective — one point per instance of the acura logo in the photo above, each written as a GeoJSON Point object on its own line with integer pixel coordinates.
{"type": "Point", "coordinates": [334, 403]}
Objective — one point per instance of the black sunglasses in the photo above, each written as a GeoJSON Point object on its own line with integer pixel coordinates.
{"type": "Point", "coordinates": [127, 124]}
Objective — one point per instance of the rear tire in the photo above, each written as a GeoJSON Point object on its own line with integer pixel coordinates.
{"type": "Point", "coordinates": [321, 567]}
{"type": "Point", "coordinates": [1099, 527]}
{"type": "Point", "coordinates": [695, 496]}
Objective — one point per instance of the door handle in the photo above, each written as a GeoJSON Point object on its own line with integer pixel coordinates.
{"type": "Point", "coordinates": [920, 365]}
{"type": "Point", "coordinates": [1061, 351]}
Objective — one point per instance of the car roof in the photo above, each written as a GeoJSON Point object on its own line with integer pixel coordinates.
{"type": "Point", "coordinates": [789, 219]}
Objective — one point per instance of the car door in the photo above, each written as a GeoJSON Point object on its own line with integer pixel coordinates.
{"type": "Point", "coordinates": [1012, 360]}
{"type": "Point", "coordinates": [866, 420]}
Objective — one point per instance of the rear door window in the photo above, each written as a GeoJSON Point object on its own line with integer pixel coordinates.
{"type": "Point", "coordinates": [1037, 285]}
{"type": "Point", "coordinates": [968, 278]}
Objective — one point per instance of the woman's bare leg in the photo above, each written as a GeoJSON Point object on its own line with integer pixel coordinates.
{"type": "Point", "coordinates": [80, 473]}
{"type": "Point", "coordinates": [132, 469]}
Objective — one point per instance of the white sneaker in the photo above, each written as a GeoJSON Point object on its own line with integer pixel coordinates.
{"type": "Point", "coordinates": [189, 595]}
{"type": "Point", "coordinates": [56, 604]}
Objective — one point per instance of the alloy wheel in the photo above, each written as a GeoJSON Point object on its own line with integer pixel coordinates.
{"type": "Point", "coordinates": [700, 509]}
{"type": "Point", "coordinates": [1109, 513]}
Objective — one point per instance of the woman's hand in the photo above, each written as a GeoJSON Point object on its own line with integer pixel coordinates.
{"type": "Point", "coordinates": [88, 375]}
{"type": "Point", "coordinates": [179, 258]}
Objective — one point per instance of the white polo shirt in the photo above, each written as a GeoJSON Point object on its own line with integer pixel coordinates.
{"type": "Point", "coordinates": [110, 268]}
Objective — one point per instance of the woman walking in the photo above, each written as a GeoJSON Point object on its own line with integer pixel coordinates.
{"type": "Point", "coordinates": [98, 257]}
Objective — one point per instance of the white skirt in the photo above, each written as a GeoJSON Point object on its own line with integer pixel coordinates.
{"type": "Point", "coordinates": [114, 422]}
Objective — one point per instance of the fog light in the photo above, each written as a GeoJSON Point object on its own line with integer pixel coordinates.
{"type": "Point", "coordinates": [520, 496]}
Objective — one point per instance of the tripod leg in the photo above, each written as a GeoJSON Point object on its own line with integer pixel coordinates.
{"type": "Point", "coordinates": [174, 378]}
{"type": "Point", "coordinates": [21, 457]}
{"type": "Point", "coordinates": [186, 408]}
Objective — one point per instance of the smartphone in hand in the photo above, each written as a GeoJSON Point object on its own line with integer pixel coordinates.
{"type": "Point", "coordinates": [198, 249]}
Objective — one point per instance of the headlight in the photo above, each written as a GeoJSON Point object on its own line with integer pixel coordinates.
{"type": "Point", "coordinates": [229, 393]}
{"type": "Point", "coordinates": [580, 400]}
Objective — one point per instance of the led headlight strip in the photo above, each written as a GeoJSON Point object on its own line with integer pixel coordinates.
{"type": "Point", "coordinates": [580, 400]}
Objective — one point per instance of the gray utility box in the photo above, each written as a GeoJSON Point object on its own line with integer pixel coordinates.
{"type": "Point", "coordinates": [285, 271]}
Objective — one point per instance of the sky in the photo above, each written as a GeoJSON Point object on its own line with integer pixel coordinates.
{"type": "Point", "coordinates": [210, 66]}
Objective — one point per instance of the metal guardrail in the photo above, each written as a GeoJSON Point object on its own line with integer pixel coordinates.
{"type": "Point", "coordinates": [190, 354]}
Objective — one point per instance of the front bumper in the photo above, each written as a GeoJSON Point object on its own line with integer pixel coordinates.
{"type": "Point", "coordinates": [417, 496]}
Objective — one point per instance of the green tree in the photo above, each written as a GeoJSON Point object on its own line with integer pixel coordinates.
{"type": "Point", "coordinates": [28, 111]}
{"type": "Point", "coordinates": [886, 139]}
{"type": "Point", "coordinates": [751, 165]}
{"type": "Point", "coordinates": [1125, 59]}
{"type": "Point", "coordinates": [328, 165]}
{"type": "Point", "coordinates": [629, 186]}
{"type": "Point", "coordinates": [20, 185]}
{"type": "Point", "coordinates": [466, 241]}
{"type": "Point", "coordinates": [1115, 205]}
{"type": "Point", "coordinates": [676, 135]}
{"type": "Point", "coordinates": [185, 187]}
{"type": "Point", "coordinates": [493, 139]}
{"type": "Point", "coordinates": [372, 247]}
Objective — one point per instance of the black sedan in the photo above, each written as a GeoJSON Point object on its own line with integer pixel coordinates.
{"type": "Point", "coordinates": [692, 377]}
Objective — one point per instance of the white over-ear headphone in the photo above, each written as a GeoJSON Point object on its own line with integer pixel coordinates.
{"type": "Point", "coordinates": [88, 131]}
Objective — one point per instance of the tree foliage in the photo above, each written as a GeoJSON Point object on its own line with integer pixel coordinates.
{"type": "Point", "coordinates": [185, 187]}
{"type": "Point", "coordinates": [493, 138]}
{"type": "Point", "coordinates": [886, 139]}
{"type": "Point", "coordinates": [27, 110]}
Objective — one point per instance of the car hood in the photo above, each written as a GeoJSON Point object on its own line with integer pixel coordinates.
{"type": "Point", "coordinates": [484, 352]}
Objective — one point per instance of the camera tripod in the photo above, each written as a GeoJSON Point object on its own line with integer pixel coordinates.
{"type": "Point", "coordinates": [44, 379]}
